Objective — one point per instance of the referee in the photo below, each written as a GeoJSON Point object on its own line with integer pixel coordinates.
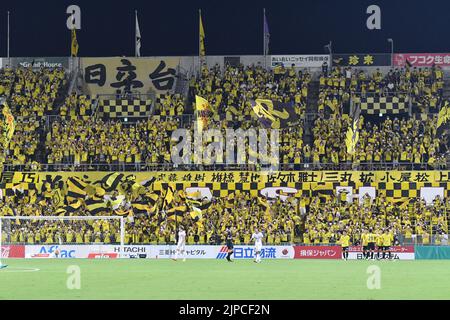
{"type": "Point", "coordinates": [229, 244]}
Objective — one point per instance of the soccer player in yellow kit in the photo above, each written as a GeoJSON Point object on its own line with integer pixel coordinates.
{"type": "Point", "coordinates": [379, 238]}
{"type": "Point", "coordinates": [387, 243]}
{"type": "Point", "coordinates": [345, 243]}
{"type": "Point", "coordinates": [371, 239]}
{"type": "Point", "coordinates": [365, 243]}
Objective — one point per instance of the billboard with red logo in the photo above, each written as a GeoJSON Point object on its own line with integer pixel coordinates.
{"type": "Point", "coordinates": [13, 251]}
{"type": "Point", "coordinates": [317, 252]}
{"type": "Point", "coordinates": [421, 59]}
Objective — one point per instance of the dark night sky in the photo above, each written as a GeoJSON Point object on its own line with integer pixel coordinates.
{"type": "Point", "coordinates": [38, 28]}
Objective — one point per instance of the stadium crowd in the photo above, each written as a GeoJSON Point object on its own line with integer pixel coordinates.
{"type": "Point", "coordinates": [424, 85]}
{"type": "Point", "coordinates": [396, 140]}
{"type": "Point", "coordinates": [129, 146]}
{"type": "Point", "coordinates": [230, 91]}
{"type": "Point", "coordinates": [242, 213]}
{"type": "Point", "coordinates": [78, 140]}
{"type": "Point", "coordinates": [409, 220]}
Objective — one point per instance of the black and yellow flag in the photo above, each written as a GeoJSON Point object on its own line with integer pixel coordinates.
{"type": "Point", "coordinates": [111, 181]}
{"type": "Point", "coordinates": [151, 198]}
{"type": "Point", "coordinates": [176, 213]}
{"type": "Point", "coordinates": [352, 136]}
{"type": "Point", "coordinates": [323, 190]}
{"type": "Point", "coordinates": [123, 212]}
{"type": "Point", "coordinates": [204, 112]}
{"type": "Point", "coordinates": [169, 197]}
{"type": "Point", "coordinates": [142, 207]}
{"type": "Point", "coordinates": [76, 188]}
{"type": "Point", "coordinates": [72, 208]}
{"type": "Point", "coordinates": [9, 124]}
{"type": "Point", "coordinates": [96, 206]}
{"type": "Point", "coordinates": [274, 114]}
{"type": "Point", "coordinates": [61, 212]}
{"type": "Point", "coordinates": [196, 214]}
{"type": "Point", "coordinates": [201, 37]}
{"type": "Point", "coordinates": [443, 121]}
{"type": "Point", "coordinates": [57, 198]}
{"type": "Point", "coordinates": [74, 46]}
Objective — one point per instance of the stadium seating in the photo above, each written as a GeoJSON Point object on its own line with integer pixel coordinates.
{"type": "Point", "coordinates": [56, 131]}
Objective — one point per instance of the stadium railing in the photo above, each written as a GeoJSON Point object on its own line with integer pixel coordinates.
{"type": "Point", "coordinates": [363, 166]}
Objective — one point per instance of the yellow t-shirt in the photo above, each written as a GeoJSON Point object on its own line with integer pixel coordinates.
{"type": "Point", "coordinates": [387, 239]}
{"type": "Point", "coordinates": [345, 240]}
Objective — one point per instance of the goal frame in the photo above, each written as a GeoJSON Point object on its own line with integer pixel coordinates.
{"type": "Point", "coordinates": [67, 218]}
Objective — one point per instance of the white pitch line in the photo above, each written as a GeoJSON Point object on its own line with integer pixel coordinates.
{"type": "Point", "coordinates": [18, 269]}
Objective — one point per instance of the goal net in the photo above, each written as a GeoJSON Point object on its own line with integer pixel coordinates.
{"type": "Point", "coordinates": [62, 236]}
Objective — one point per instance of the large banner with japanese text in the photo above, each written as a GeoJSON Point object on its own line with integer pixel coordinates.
{"type": "Point", "coordinates": [392, 184]}
{"type": "Point", "coordinates": [120, 74]}
{"type": "Point", "coordinates": [422, 59]}
{"type": "Point", "coordinates": [318, 252]}
{"type": "Point", "coordinates": [397, 253]}
{"type": "Point", "coordinates": [300, 61]}
{"type": "Point", "coordinates": [362, 60]}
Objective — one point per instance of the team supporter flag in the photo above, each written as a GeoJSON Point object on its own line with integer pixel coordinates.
{"type": "Point", "coordinates": [96, 206]}
{"type": "Point", "coordinates": [152, 198]}
{"type": "Point", "coordinates": [204, 112]}
{"type": "Point", "coordinates": [196, 214]}
{"type": "Point", "coordinates": [69, 210]}
{"type": "Point", "coordinates": [9, 125]}
{"type": "Point", "coordinates": [274, 114]}
{"type": "Point", "coordinates": [124, 212]}
{"type": "Point", "coordinates": [201, 37]}
{"type": "Point", "coordinates": [74, 46]}
{"type": "Point", "coordinates": [76, 188]}
{"type": "Point", "coordinates": [111, 181]}
{"type": "Point", "coordinates": [176, 213]}
{"type": "Point", "coordinates": [138, 38]}
{"type": "Point", "coordinates": [443, 119]}
{"type": "Point", "coordinates": [114, 201]}
{"type": "Point", "coordinates": [142, 207]}
{"type": "Point", "coordinates": [61, 212]}
{"type": "Point", "coordinates": [323, 190]}
{"type": "Point", "coordinates": [352, 136]}
{"type": "Point", "coordinates": [169, 197]}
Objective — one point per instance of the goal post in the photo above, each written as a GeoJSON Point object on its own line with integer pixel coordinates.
{"type": "Point", "coordinates": [96, 231]}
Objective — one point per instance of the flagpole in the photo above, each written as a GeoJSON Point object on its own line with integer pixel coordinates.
{"type": "Point", "coordinates": [199, 42]}
{"type": "Point", "coordinates": [7, 48]}
{"type": "Point", "coordinates": [135, 33]}
{"type": "Point", "coordinates": [264, 38]}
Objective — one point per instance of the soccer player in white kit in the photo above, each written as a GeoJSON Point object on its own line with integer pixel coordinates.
{"type": "Point", "coordinates": [257, 236]}
{"type": "Point", "coordinates": [181, 244]}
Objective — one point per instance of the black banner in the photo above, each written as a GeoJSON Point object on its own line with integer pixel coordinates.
{"type": "Point", "coordinates": [361, 59]}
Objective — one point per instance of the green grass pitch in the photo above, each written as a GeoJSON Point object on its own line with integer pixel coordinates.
{"type": "Point", "coordinates": [217, 279]}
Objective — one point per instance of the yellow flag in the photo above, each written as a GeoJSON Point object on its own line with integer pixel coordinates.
{"type": "Point", "coordinates": [201, 37]}
{"type": "Point", "coordinates": [352, 136]}
{"type": "Point", "coordinates": [9, 124]}
{"type": "Point", "coordinates": [444, 114]}
{"type": "Point", "coordinates": [74, 47]}
{"type": "Point", "coordinates": [204, 112]}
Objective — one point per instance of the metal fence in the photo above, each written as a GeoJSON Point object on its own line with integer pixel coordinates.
{"type": "Point", "coordinates": [143, 167]}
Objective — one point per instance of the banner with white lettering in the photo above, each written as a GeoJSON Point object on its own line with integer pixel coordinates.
{"type": "Point", "coordinates": [421, 59]}
{"type": "Point", "coordinates": [300, 61]}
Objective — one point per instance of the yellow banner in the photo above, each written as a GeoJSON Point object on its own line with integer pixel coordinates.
{"type": "Point", "coordinates": [392, 184]}
{"type": "Point", "coordinates": [280, 177]}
